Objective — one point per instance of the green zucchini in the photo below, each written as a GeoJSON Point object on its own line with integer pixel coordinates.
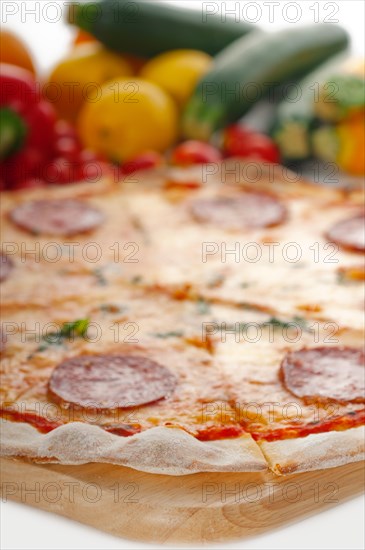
{"type": "Point", "coordinates": [296, 113]}
{"type": "Point", "coordinates": [146, 28]}
{"type": "Point", "coordinates": [247, 69]}
{"type": "Point", "coordinates": [325, 143]}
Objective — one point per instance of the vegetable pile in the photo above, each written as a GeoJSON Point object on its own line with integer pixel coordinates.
{"type": "Point", "coordinates": [37, 148]}
{"type": "Point", "coordinates": [137, 83]}
{"type": "Point", "coordinates": [328, 121]}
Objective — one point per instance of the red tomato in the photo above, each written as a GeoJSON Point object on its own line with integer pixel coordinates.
{"type": "Point", "coordinates": [90, 172]}
{"type": "Point", "coordinates": [195, 152]}
{"type": "Point", "coordinates": [233, 136]}
{"type": "Point", "coordinates": [145, 161]}
{"type": "Point", "coordinates": [245, 143]}
{"type": "Point", "coordinates": [68, 148]}
{"type": "Point", "coordinates": [88, 156]}
{"type": "Point", "coordinates": [94, 171]}
{"type": "Point", "coordinates": [65, 130]}
{"type": "Point", "coordinates": [263, 148]}
{"type": "Point", "coordinates": [42, 122]}
{"type": "Point", "coordinates": [59, 171]}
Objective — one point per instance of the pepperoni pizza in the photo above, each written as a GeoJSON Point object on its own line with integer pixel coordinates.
{"type": "Point", "coordinates": [194, 320]}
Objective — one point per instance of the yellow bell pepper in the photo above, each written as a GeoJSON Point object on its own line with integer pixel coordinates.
{"type": "Point", "coordinates": [78, 78]}
{"type": "Point", "coordinates": [343, 143]}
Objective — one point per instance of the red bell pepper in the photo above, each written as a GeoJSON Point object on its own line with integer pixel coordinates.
{"type": "Point", "coordinates": [27, 125]}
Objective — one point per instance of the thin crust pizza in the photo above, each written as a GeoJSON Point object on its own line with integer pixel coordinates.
{"type": "Point", "coordinates": [186, 322]}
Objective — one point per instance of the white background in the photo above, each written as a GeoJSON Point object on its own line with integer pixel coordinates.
{"type": "Point", "coordinates": [22, 527]}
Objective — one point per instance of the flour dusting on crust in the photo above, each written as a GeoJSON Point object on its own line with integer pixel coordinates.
{"type": "Point", "coordinates": [159, 450]}
{"type": "Point", "coordinates": [316, 451]}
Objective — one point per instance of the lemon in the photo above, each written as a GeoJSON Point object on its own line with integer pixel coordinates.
{"type": "Point", "coordinates": [131, 117]}
{"type": "Point", "coordinates": [177, 72]}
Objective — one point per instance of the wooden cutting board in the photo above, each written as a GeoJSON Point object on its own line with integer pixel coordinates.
{"type": "Point", "coordinates": [195, 508]}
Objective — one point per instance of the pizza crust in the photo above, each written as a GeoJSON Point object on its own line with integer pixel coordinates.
{"type": "Point", "coordinates": [315, 451]}
{"type": "Point", "coordinates": [171, 451]}
{"type": "Point", "coordinates": [160, 450]}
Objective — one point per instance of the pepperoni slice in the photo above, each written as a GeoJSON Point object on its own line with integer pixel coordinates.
{"type": "Point", "coordinates": [59, 217]}
{"type": "Point", "coordinates": [107, 382]}
{"type": "Point", "coordinates": [349, 233]}
{"type": "Point", "coordinates": [6, 266]}
{"type": "Point", "coordinates": [245, 211]}
{"type": "Point", "coordinates": [325, 373]}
